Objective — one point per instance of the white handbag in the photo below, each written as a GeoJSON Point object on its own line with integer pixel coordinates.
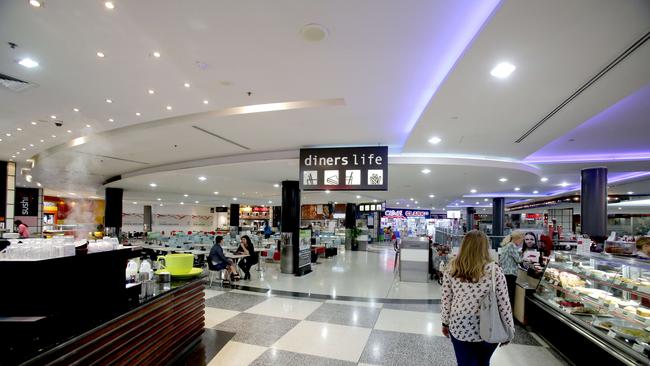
{"type": "Point", "coordinates": [493, 328]}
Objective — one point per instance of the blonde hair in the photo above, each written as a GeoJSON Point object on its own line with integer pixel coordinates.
{"type": "Point", "coordinates": [644, 240]}
{"type": "Point", "coordinates": [474, 254]}
{"type": "Point", "coordinates": [517, 235]}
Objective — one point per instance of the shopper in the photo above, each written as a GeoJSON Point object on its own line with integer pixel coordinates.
{"type": "Point", "coordinates": [267, 230]}
{"type": "Point", "coordinates": [643, 247]}
{"type": "Point", "coordinates": [510, 258]}
{"type": "Point", "coordinates": [530, 242]}
{"type": "Point", "coordinates": [246, 248]}
{"type": "Point", "coordinates": [217, 261]}
{"type": "Point", "coordinates": [23, 231]}
{"type": "Point", "coordinates": [465, 284]}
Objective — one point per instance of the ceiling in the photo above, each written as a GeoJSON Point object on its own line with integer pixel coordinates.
{"type": "Point", "coordinates": [385, 74]}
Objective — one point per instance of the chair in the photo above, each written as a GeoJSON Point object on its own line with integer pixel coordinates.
{"type": "Point", "coordinates": [214, 271]}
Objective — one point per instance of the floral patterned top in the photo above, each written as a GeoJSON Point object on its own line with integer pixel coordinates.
{"type": "Point", "coordinates": [509, 258]}
{"type": "Point", "coordinates": [461, 303]}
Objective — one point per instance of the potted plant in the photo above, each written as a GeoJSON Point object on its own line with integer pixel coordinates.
{"type": "Point", "coordinates": [354, 233]}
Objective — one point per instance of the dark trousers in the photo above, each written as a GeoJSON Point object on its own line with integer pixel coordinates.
{"type": "Point", "coordinates": [473, 353]}
{"type": "Point", "coordinates": [511, 280]}
{"type": "Point", "coordinates": [245, 264]}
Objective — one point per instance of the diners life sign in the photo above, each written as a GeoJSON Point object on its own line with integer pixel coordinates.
{"type": "Point", "coordinates": [344, 169]}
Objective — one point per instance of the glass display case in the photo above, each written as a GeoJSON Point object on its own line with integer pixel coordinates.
{"type": "Point", "coordinates": [605, 298]}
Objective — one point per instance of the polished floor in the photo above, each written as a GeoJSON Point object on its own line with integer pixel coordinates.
{"type": "Point", "coordinates": [364, 274]}
{"type": "Point", "coordinates": [264, 329]}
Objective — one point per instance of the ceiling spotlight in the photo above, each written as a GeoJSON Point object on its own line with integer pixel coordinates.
{"type": "Point", "coordinates": [196, 201]}
{"type": "Point", "coordinates": [432, 195]}
{"type": "Point", "coordinates": [205, 102]}
{"type": "Point", "coordinates": [23, 149]}
{"type": "Point", "coordinates": [42, 140]}
{"type": "Point", "coordinates": [34, 123]}
{"type": "Point", "coordinates": [564, 184]}
{"type": "Point", "coordinates": [620, 208]}
{"type": "Point", "coordinates": [327, 191]}
{"type": "Point", "coordinates": [100, 54]}
{"type": "Point", "coordinates": [109, 101]}
{"type": "Point", "coordinates": [35, 3]}
{"type": "Point", "coordinates": [234, 198]}
{"type": "Point", "coordinates": [412, 199]}
{"type": "Point", "coordinates": [156, 54]}
{"type": "Point", "coordinates": [535, 192]}
{"type": "Point", "coordinates": [187, 85]}
{"type": "Point", "coordinates": [169, 108]}
{"type": "Point", "coordinates": [202, 178]}
{"type": "Point", "coordinates": [374, 200]}
{"type": "Point", "coordinates": [461, 201]}
{"type": "Point", "coordinates": [154, 185]}
{"type": "Point", "coordinates": [502, 70]}
{"type": "Point", "coordinates": [182, 203]}
{"type": "Point", "coordinates": [517, 189]}
{"type": "Point", "coordinates": [19, 129]}
{"type": "Point", "coordinates": [69, 131]}
{"type": "Point", "coordinates": [398, 203]}
{"type": "Point", "coordinates": [472, 191]}
{"type": "Point", "coordinates": [109, 5]}
{"type": "Point", "coordinates": [270, 202]}
{"type": "Point", "coordinates": [485, 199]}
{"type": "Point", "coordinates": [53, 116]}
{"type": "Point", "coordinates": [416, 202]}
{"type": "Point", "coordinates": [28, 63]}
{"type": "Point", "coordinates": [630, 192]}
{"type": "Point", "coordinates": [185, 195]}
{"type": "Point", "coordinates": [137, 114]}
{"type": "Point", "coordinates": [426, 171]}
{"type": "Point", "coordinates": [215, 192]}
{"type": "Point", "coordinates": [503, 180]}
{"type": "Point", "coordinates": [135, 203]}
{"type": "Point", "coordinates": [544, 179]}
{"type": "Point", "coordinates": [8, 135]}
{"type": "Point", "coordinates": [161, 205]}
{"type": "Point", "coordinates": [75, 109]}
{"type": "Point", "coordinates": [151, 91]}
{"type": "Point", "coordinates": [276, 185]}
{"type": "Point", "coordinates": [53, 136]}
{"type": "Point", "coordinates": [158, 199]}
{"type": "Point", "coordinates": [111, 120]}
{"type": "Point", "coordinates": [30, 145]}
{"type": "Point", "coordinates": [358, 197]}
{"type": "Point", "coordinates": [39, 184]}
{"type": "Point", "coordinates": [477, 202]}
{"type": "Point", "coordinates": [435, 140]}
{"type": "Point", "coordinates": [88, 126]}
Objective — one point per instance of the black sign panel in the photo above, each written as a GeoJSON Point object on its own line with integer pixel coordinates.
{"type": "Point", "coordinates": [26, 203]}
{"type": "Point", "coordinates": [344, 169]}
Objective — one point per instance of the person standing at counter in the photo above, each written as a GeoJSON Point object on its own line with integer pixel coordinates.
{"type": "Point", "coordinates": [246, 248]}
{"type": "Point", "coordinates": [219, 261]}
{"type": "Point", "coordinates": [23, 231]}
{"type": "Point", "coordinates": [510, 258]}
{"type": "Point", "coordinates": [643, 247]}
{"type": "Point", "coordinates": [464, 285]}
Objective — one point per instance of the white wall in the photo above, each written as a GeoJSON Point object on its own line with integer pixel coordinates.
{"type": "Point", "coordinates": [129, 207]}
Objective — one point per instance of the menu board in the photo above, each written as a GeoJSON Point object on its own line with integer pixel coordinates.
{"type": "Point", "coordinates": [304, 248]}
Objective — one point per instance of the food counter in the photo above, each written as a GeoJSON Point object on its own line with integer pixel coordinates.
{"type": "Point", "coordinates": [78, 310]}
{"type": "Point", "coordinates": [595, 307]}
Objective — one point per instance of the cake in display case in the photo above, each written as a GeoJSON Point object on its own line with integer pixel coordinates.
{"type": "Point", "coordinates": [604, 297]}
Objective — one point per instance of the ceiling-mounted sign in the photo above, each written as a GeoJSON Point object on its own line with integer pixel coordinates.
{"type": "Point", "coordinates": [26, 203]}
{"type": "Point", "coordinates": [344, 169]}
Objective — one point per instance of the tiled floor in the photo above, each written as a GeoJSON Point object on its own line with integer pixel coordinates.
{"type": "Point", "coordinates": [276, 330]}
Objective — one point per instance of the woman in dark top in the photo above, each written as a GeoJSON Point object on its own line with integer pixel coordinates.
{"type": "Point", "coordinates": [218, 261]}
{"type": "Point", "coordinates": [246, 248]}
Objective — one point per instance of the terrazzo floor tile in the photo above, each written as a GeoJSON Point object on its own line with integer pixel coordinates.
{"type": "Point", "coordinates": [523, 337]}
{"type": "Point", "coordinates": [256, 329]}
{"type": "Point", "coordinates": [234, 301]}
{"type": "Point", "coordinates": [409, 322]}
{"type": "Point", "coordinates": [516, 355]}
{"type": "Point", "coordinates": [355, 316]}
{"type": "Point", "coordinates": [370, 304]}
{"type": "Point", "coordinates": [237, 354]}
{"type": "Point", "coordinates": [214, 316]}
{"type": "Point", "coordinates": [274, 357]}
{"type": "Point", "coordinates": [207, 293]}
{"type": "Point", "coordinates": [325, 340]}
{"type": "Point", "coordinates": [212, 342]}
{"type": "Point", "coordinates": [425, 308]}
{"type": "Point", "coordinates": [392, 348]}
{"type": "Point", "coordinates": [285, 308]}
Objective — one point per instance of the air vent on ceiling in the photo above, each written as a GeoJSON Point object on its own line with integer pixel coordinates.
{"type": "Point", "coordinates": [589, 83]}
{"type": "Point", "coordinates": [14, 84]}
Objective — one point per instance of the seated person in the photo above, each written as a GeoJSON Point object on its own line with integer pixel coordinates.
{"type": "Point", "coordinates": [217, 261]}
{"type": "Point", "coordinates": [246, 248]}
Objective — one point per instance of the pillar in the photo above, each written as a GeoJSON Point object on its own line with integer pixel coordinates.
{"type": "Point", "coordinates": [293, 259]}
{"type": "Point", "coordinates": [148, 222]}
{"type": "Point", "coordinates": [234, 219]}
{"type": "Point", "coordinates": [593, 203]}
{"type": "Point", "coordinates": [277, 210]}
{"type": "Point", "coordinates": [350, 223]}
{"type": "Point", "coordinates": [470, 218]}
{"type": "Point", "coordinates": [113, 211]}
{"type": "Point", "coordinates": [498, 215]}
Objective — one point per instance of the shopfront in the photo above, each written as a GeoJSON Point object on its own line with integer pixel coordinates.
{"type": "Point", "coordinates": [408, 222]}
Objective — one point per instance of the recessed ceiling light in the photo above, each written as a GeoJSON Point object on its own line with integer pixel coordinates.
{"type": "Point", "coordinates": [461, 201]}
{"type": "Point", "coordinates": [185, 195]}
{"type": "Point", "coordinates": [270, 202]}
{"type": "Point", "coordinates": [169, 108]}
{"type": "Point", "coordinates": [408, 205]}
{"type": "Point", "coordinates": [34, 123]}
{"type": "Point", "coordinates": [23, 149]}
{"type": "Point", "coordinates": [327, 191]}
{"type": "Point", "coordinates": [28, 63]}
{"type": "Point", "coordinates": [161, 205]}
{"type": "Point", "coordinates": [564, 184]}
{"type": "Point", "coordinates": [398, 203]}
{"type": "Point", "coordinates": [100, 54]}
{"type": "Point", "coordinates": [153, 185]}
{"type": "Point", "coordinates": [412, 199]}
{"type": "Point", "coordinates": [374, 200]}
{"type": "Point", "coordinates": [42, 140]}
{"type": "Point", "coordinates": [88, 126]}
{"type": "Point", "coordinates": [135, 203]}
{"type": "Point", "coordinates": [205, 101]}
{"type": "Point", "coordinates": [137, 114]}
{"type": "Point", "coordinates": [30, 145]}
{"type": "Point", "coordinates": [72, 193]}
{"type": "Point", "coordinates": [358, 197]}
{"type": "Point", "coordinates": [8, 135]}
{"type": "Point", "coordinates": [544, 179]}
{"type": "Point", "coordinates": [503, 180]}
{"type": "Point", "coordinates": [39, 184]}
{"type": "Point", "coordinates": [111, 120]}
{"type": "Point", "coordinates": [53, 116]}
{"type": "Point", "coordinates": [432, 195]}
{"type": "Point", "coordinates": [276, 185]}
{"type": "Point", "coordinates": [196, 201]}
{"type": "Point", "coordinates": [435, 140]}
{"type": "Point", "coordinates": [187, 85]}
{"type": "Point", "coordinates": [17, 152]}
{"type": "Point", "coordinates": [19, 129]}
{"type": "Point", "coordinates": [535, 192]}
{"type": "Point", "coordinates": [418, 207]}
{"type": "Point", "coordinates": [159, 199]}
{"type": "Point", "coordinates": [416, 202]}
{"type": "Point", "coordinates": [630, 192]}
{"type": "Point", "coordinates": [472, 191]}
{"type": "Point", "coordinates": [53, 136]}
{"type": "Point", "coordinates": [426, 171]}
{"type": "Point", "coordinates": [517, 189]}
{"type": "Point", "coordinates": [35, 3]}
{"type": "Point", "coordinates": [69, 131]}
{"type": "Point", "coordinates": [109, 5]}
{"type": "Point", "coordinates": [182, 203]}
{"type": "Point", "coordinates": [151, 91]}
{"type": "Point", "coordinates": [202, 178]}
{"type": "Point", "coordinates": [502, 70]}
{"type": "Point", "coordinates": [234, 198]}
{"type": "Point", "coordinates": [485, 199]}
{"type": "Point", "coordinates": [215, 192]}
{"type": "Point", "coordinates": [109, 101]}
{"type": "Point", "coordinates": [477, 202]}
{"type": "Point", "coordinates": [156, 54]}
{"type": "Point", "coordinates": [75, 109]}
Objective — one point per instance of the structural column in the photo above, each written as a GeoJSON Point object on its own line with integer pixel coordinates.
{"type": "Point", "coordinates": [148, 221]}
{"type": "Point", "coordinates": [470, 218]}
{"type": "Point", "coordinates": [113, 211]}
{"type": "Point", "coordinates": [234, 219]}
{"type": "Point", "coordinates": [498, 215]}
{"type": "Point", "coordinates": [593, 203]}
{"type": "Point", "coordinates": [350, 223]}
{"type": "Point", "coordinates": [290, 253]}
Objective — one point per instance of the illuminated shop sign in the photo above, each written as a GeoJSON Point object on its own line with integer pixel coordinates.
{"type": "Point", "coordinates": [397, 213]}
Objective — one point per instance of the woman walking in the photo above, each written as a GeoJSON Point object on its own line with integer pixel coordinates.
{"type": "Point", "coordinates": [465, 284]}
